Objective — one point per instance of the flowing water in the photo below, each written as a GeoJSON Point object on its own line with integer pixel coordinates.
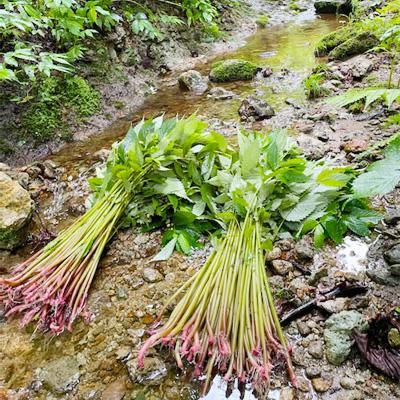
{"type": "Point", "coordinates": [288, 50]}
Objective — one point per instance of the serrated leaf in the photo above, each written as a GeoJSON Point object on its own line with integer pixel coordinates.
{"type": "Point", "coordinates": [172, 186]}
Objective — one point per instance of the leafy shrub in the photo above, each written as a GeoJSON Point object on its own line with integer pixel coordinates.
{"type": "Point", "coordinates": [313, 85]}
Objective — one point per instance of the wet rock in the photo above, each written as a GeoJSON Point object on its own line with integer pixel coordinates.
{"type": "Point", "coordinates": [233, 70]}
{"type": "Point", "coordinates": [293, 103]}
{"type": "Point", "coordinates": [287, 393]}
{"type": "Point", "coordinates": [115, 390]}
{"type": "Point", "coordinates": [60, 375]}
{"type": "Point", "coordinates": [152, 275]}
{"type": "Point", "coordinates": [355, 146]}
{"type": "Point", "coordinates": [318, 275]}
{"type": "Point", "coordinates": [333, 6]}
{"type": "Point", "coordinates": [322, 384]}
{"type": "Point", "coordinates": [266, 72]}
{"type": "Point", "coordinates": [274, 254]}
{"type": "Point", "coordinates": [16, 208]}
{"type": "Point", "coordinates": [305, 126]}
{"type": "Point", "coordinates": [338, 334]}
{"type": "Point", "coordinates": [347, 383]}
{"type": "Point", "coordinates": [102, 154]}
{"type": "Point", "coordinates": [357, 44]}
{"type": "Point", "coordinates": [392, 256]}
{"type": "Point", "coordinates": [193, 81]}
{"type": "Point", "coordinates": [151, 374]}
{"type": "Point", "coordinates": [282, 267]}
{"type": "Point", "coordinates": [393, 216]}
{"type": "Point", "coordinates": [219, 93]}
{"type": "Point", "coordinates": [303, 328]}
{"type": "Point", "coordinates": [395, 269]}
{"type": "Point", "coordinates": [336, 305]}
{"type": "Point", "coordinates": [254, 108]}
{"type": "Point", "coordinates": [316, 349]}
{"type": "Point", "coordinates": [313, 372]}
{"type": "Point", "coordinates": [358, 66]}
{"type": "Point", "coordinates": [304, 250]}
{"type": "Point", "coordinates": [394, 338]}
{"type": "Point", "coordinates": [383, 276]}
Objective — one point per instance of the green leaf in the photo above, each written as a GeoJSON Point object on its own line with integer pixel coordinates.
{"type": "Point", "coordinates": [249, 153]}
{"type": "Point", "coordinates": [172, 186]}
{"type": "Point", "coordinates": [166, 251]}
{"type": "Point", "coordinates": [334, 176]}
{"type": "Point", "coordinates": [319, 236]}
{"type": "Point", "coordinates": [335, 229]}
{"type": "Point", "coordinates": [382, 176]}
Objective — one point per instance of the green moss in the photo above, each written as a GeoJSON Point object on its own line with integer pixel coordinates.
{"type": "Point", "coordinates": [334, 39]}
{"type": "Point", "coordinates": [6, 148]}
{"type": "Point", "coordinates": [10, 239]}
{"type": "Point", "coordinates": [81, 97]}
{"type": "Point", "coordinates": [357, 44]}
{"type": "Point", "coordinates": [55, 98]}
{"type": "Point", "coordinates": [233, 70]}
{"type": "Point", "coordinates": [262, 20]}
{"type": "Point", "coordinates": [42, 120]}
{"type": "Point", "coordinates": [294, 7]}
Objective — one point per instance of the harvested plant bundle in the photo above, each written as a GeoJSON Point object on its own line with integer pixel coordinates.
{"type": "Point", "coordinates": [226, 321]}
{"type": "Point", "coordinates": [145, 178]}
{"type": "Point", "coordinates": [227, 318]}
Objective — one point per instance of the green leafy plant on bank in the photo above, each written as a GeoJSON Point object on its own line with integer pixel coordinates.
{"type": "Point", "coordinates": [387, 28]}
{"type": "Point", "coordinates": [40, 38]}
{"type": "Point", "coordinates": [314, 87]}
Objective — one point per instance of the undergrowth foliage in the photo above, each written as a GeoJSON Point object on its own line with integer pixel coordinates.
{"type": "Point", "coordinates": [39, 38]}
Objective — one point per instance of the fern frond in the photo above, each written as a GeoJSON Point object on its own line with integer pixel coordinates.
{"type": "Point", "coordinates": [370, 95]}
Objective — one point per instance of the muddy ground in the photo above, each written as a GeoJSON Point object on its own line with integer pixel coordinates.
{"type": "Point", "coordinates": [98, 359]}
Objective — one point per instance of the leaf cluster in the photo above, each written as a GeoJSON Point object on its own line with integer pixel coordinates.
{"type": "Point", "coordinates": [194, 182]}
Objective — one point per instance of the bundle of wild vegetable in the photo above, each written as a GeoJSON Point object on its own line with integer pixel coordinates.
{"type": "Point", "coordinates": [226, 321]}
{"type": "Point", "coordinates": [158, 167]}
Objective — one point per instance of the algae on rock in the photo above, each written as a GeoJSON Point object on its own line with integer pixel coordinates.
{"type": "Point", "coordinates": [338, 334]}
{"type": "Point", "coordinates": [357, 44]}
{"type": "Point", "coordinates": [233, 70]}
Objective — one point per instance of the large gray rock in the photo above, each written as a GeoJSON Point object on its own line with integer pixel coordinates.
{"type": "Point", "coordinates": [60, 375]}
{"type": "Point", "coordinates": [193, 81]}
{"type": "Point", "coordinates": [338, 335]}
{"type": "Point", "coordinates": [16, 208]}
{"type": "Point", "coordinates": [392, 256]}
{"type": "Point", "coordinates": [333, 6]}
{"type": "Point", "coordinates": [255, 108]}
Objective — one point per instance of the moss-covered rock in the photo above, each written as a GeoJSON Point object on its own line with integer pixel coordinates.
{"type": "Point", "coordinates": [16, 208]}
{"type": "Point", "coordinates": [357, 44]}
{"type": "Point", "coordinates": [233, 70]}
{"type": "Point", "coordinates": [334, 39]}
{"type": "Point", "coordinates": [262, 20]}
{"type": "Point", "coordinates": [333, 6]}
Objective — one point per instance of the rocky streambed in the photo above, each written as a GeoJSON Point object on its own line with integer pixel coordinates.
{"type": "Point", "coordinates": [98, 359]}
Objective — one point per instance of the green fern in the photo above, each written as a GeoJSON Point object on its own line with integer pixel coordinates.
{"type": "Point", "coordinates": [370, 95]}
